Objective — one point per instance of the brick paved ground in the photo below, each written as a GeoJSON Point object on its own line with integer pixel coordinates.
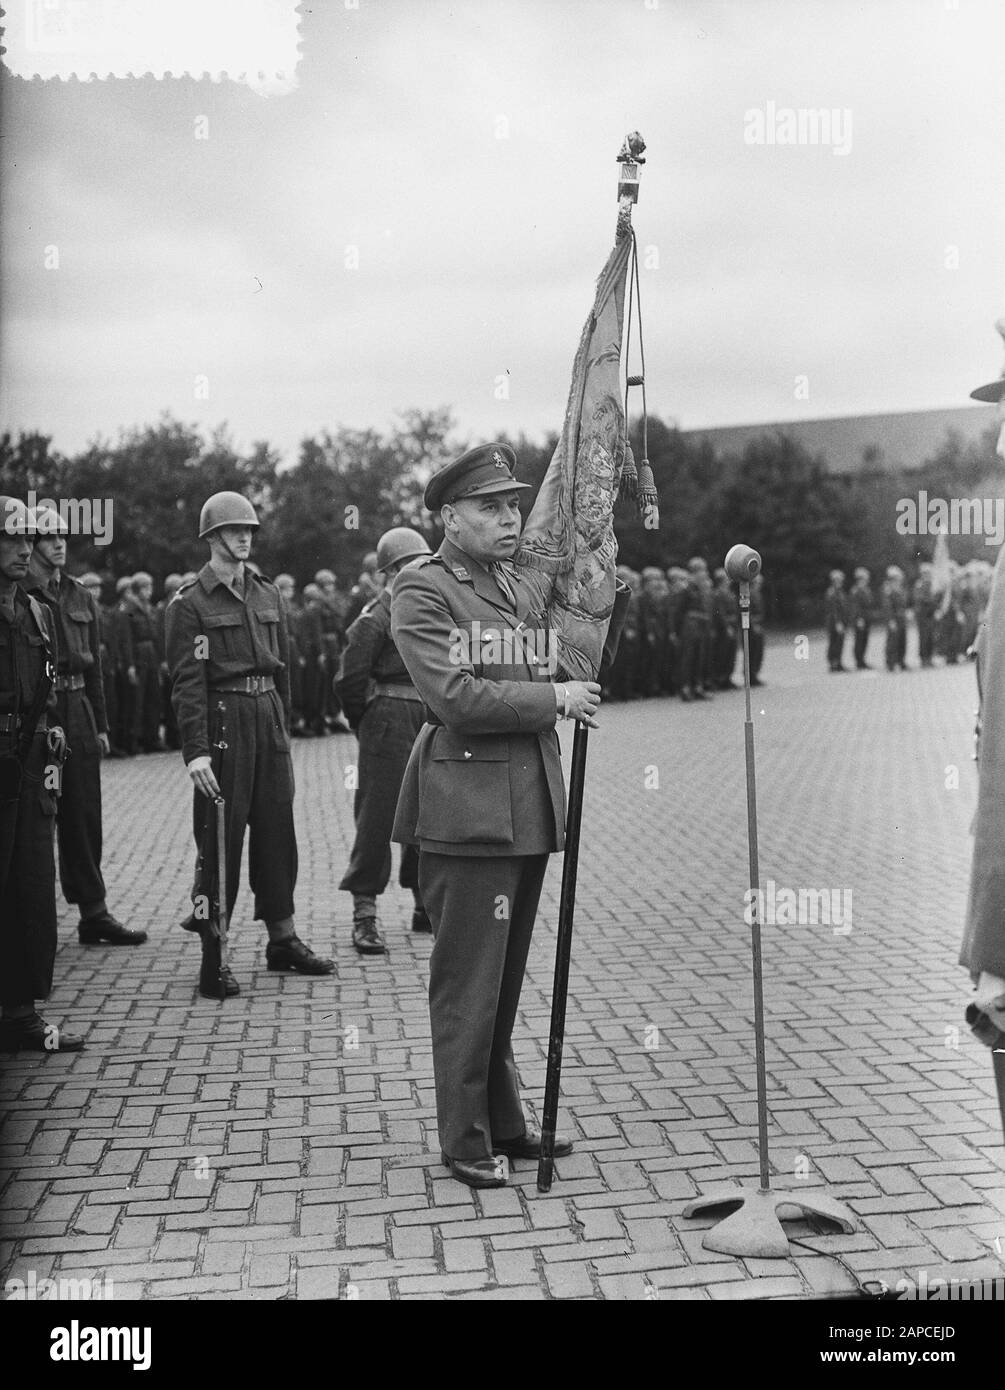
{"type": "Point", "coordinates": [283, 1144]}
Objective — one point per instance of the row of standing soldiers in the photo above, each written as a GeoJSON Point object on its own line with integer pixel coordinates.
{"type": "Point", "coordinates": [681, 633]}
{"type": "Point", "coordinates": [947, 612]}
{"type": "Point", "coordinates": [134, 663]}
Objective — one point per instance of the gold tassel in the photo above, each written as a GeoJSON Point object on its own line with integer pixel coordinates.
{"type": "Point", "coordinates": [629, 486]}
{"type": "Point", "coordinates": [648, 497]}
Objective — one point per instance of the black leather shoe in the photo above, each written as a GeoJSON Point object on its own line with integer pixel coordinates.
{"type": "Point", "coordinates": [529, 1146]}
{"type": "Point", "coordinates": [476, 1172]}
{"type": "Point", "coordinates": [366, 937]}
{"type": "Point", "coordinates": [215, 982]}
{"type": "Point", "coordinates": [420, 920]}
{"type": "Point", "coordinates": [292, 954]}
{"type": "Point", "coordinates": [106, 928]}
{"type": "Point", "coordinates": [33, 1034]}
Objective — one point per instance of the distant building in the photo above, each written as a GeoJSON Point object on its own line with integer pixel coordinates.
{"type": "Point", "coordinates": [863, 443]}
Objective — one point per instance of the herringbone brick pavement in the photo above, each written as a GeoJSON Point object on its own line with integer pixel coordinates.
{"type": "Point", "coordinates": [282, 1145]}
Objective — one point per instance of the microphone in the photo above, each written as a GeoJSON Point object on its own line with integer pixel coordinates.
{"type": "Point", "coordinates": [742, 563]}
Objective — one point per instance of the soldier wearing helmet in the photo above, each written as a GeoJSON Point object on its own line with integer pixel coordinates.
{"type": "Point", "coordinates": [836, 618]}
{"type": "Point", "coordinates": [893, 609]}
{"type": "Point", "coordinates": [287, 587]}
{"type": "Point", "coordinates": [695, 633]}
{"type": "Point", "coordinates": [28, 653]}
{"type": "Point", "coordinates": [332, 607]}
{"type": "Point", "coordinates": [367, 586]}
{"type": "Point", "coordinates": [385, 711]}
{"type": "Point", "coordinates": [860, 614]}
{"type": "Point", "coordinates": [80, 710]}
{"type": "Point", "coordinates": [172, 737]}
{"type": "Point", "coordinates": [144, 651]}
{"type": "Point", "coordinates": [228, 651]}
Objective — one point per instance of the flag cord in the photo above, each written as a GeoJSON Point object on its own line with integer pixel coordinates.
{"type": "Point", "coordinates": [640, 482]}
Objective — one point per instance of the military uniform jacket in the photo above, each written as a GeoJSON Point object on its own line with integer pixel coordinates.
{"type": "Point", "coordinates": [78, 627]}
{"type": "Point", "coordinates": [484, 777]}
{"type": "Point", "coordinates": [214, 638]}
{"type": "Point", "coordinates": [370, 656]}
{"type": "Point", "coordinates": [27, 640]}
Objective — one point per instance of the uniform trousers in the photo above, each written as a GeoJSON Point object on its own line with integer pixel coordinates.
{"type": "Point", "coordinates": [482, 911]}
{"type": "Point", "coordinates": [256, 780]}
{"type": "Point", "coordinates": [694, 654]}
{"type": "Point", "coordinates": [861, 643]}
{"type": "Point", "coordinates": [27, 885]}
{"type": "Point", "coordinates": [386, 734]}
{"type": "Point", "coordinates": [835, 648]}
{"type": "Point", "coordinates": [78, 813]}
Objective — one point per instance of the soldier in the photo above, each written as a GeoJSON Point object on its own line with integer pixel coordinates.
{"type": "Point", "coordinates": [653, 612]}
{"type": "Point", "coordinates": [125, 665]}
{"type": "Point", "coordinates": [386, 712]}
{"type": "Point", "coordinates": [696, 617]}
{"type": "Point", "coordinates": [287, 587]}
{"type": "Point", "coordinates": [28, 654]}
{"type": "Point", "coordinates": [860, 610]}
{"type": "Point", "coordinates": [893, 608]}
{"type": "Point", "coordinates": [836, 616]}
{"type": "Point", "coordinates": [724, 629]}
{"type": "Point", "coordinates": [332, 610]}
{"type": "Point", "coordinates": [482, 797]}
{"type": "Point", "coordinates": [925, 602]}
{"type": "Point", "coordinates": [108, 647]}
{"type": "Point", "coordinates": [145, 732]}
{"type": "Point", "coordinates": [310, 646]}
{"type": "Point", "coordinates": [755, 638]}
{"type": "Point", "coordinates": [172, 738]}
{"type": "Point", "coordinates": [677, 597]}
{"type": "Point", "coordinates": [227, 648]}
{"type": "Point", "coordinates": [80, 712]}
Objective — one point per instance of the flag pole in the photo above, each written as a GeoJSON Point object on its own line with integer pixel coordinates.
{"type": "Point", "coordinates": [629, 159]}
{"type": "Point", "coordinates": [563, 956]}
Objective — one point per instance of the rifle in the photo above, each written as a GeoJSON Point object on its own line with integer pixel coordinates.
{"type": "Point", "coordinates": [220, 923]}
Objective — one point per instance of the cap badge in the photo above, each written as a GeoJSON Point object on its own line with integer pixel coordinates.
{"type": "Point", "coordinates": [498, 459]}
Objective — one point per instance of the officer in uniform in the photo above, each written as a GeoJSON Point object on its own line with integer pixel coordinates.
{"type": "Point", "coordinates": [28, 653]}
{"type": "Point", "coordinates": [836, 617]}
{"type": "Point", "coordinates": [385, 711]}
{"type": "Point", "coordinates": [80, 712]}
{"type": "Point", "coordinates": [482, 797]}
{"type": "Point", "coordinates": [229, 658]}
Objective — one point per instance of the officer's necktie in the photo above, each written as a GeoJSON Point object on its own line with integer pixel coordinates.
{"type": "Point", "coordinates": [238, 586]}
{"type": "Point", "coordinates": [503, 580]}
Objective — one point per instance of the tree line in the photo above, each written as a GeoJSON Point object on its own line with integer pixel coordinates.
{"type": "Point", "coordinates": [346, 487]}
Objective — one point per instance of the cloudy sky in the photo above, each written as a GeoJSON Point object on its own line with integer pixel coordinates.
{"type": "Point", "coordinates": [463, 153]}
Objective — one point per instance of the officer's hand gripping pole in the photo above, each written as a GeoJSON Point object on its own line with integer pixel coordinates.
{"type": "Point", "coordinates": [563, 954]}
{"type": "Point", "coordinates": [752, 1227]}
{"type": "Point", "coordinates": [220, 809]}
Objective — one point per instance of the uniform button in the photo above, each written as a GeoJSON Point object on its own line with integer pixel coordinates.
{"type": "Point", "coordinates": [467, 753]}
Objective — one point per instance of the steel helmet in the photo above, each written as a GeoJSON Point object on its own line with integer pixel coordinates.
{"type": "Point", "coordinates": [400, 543]}
{"type": "Point", "coordinates": [325, 577]}
{"type": "Point", "coordinates": [48, 522]}
{"type": "Point", "coordinates": [141, 577]}
{"type": "Point", "coordinates": [15, 518]}
{"type": "Point", "coordinates": [172, 582]}
{"type": "Point", "coordinates": [225, 509]}
{"type": "Point", "coordinates": [91, 580]}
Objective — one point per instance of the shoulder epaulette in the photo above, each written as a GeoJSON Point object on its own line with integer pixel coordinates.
{"type": "Point", "coordinates": [182, 589]}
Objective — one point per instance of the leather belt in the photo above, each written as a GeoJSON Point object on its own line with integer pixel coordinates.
{"type": "Point", "coordinates": [247, 685]}
{"type": "Point", "coordinates": [13, 724]}
{"type": "Point", "coordinates": [398, 692]}
{"type": "Point", "coordinates": [68, 683]}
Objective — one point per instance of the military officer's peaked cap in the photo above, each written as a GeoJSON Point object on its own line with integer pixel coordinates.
{"type": "Point", "coordinates": [489, 468]}
{"type": "Point", "coordinates": [994, 391]}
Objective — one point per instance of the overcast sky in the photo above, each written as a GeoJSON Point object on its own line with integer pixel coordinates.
{"type": "Point", "coordinates": [467, 151]}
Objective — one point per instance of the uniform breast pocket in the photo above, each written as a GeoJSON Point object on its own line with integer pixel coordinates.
{"type": "Point", "coordinates": [268, 631]}
{"type": "Point", "coordinates": [79, 656]}
{"type": "Point", "coordinates": [464, 794]}
{"type": "Point", "coordinates": [225, 631]}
